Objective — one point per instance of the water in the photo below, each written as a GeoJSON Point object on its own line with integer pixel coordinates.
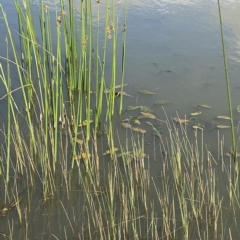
{"type": "Point", "coordinates": [183, 37]}
{"type": "Point", "coordinates": [174, 49]}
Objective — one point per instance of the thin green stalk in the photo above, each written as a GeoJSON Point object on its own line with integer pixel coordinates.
{"type": "Point", "coordinates": [228, 89]}
{"type": "Point", "coordinates": [123, 55]}
{"type": "Point", "coordinates": [102, 80]}
{"type": "Point", "coordinates": [90, 57]}
{"type": "Point", "coordinates": [19, 70]}
{"type": "Point", "coordinates": [58, 99]}
{"type": "Point", "coordinates": [97, 56]}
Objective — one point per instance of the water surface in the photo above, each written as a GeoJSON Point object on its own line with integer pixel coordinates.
{"type": "Point", "coordinates": [174, 48]}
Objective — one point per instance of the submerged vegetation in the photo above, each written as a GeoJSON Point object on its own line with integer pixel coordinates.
{"type": "Point", "coordinates": [73, 166]}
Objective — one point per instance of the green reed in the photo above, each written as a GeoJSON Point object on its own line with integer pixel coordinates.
{"type": "Point", "coordinates": [123, 55]}
{"type": "Point", "coordinates": [234, 146]}
{"type": "Point", "coordinates": [43, 80]}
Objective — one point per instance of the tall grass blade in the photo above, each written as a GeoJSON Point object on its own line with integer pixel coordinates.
{"type": "Point", "coordinates": [228, 89]}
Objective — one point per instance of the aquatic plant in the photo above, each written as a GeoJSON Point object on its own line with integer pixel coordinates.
{"type": "Point", "coordinates": [234, 141]}
{"type": "Point", "coordinates": [71, 161]}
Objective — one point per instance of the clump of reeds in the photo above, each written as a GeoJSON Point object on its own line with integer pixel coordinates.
{"type": "Point", "coordinates": [55, 168]}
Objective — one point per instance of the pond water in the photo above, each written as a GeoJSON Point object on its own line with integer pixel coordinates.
{"type": "Point", "coordinates": [174, 49]}
{"type": "Point", "coordinates": [183, 37]}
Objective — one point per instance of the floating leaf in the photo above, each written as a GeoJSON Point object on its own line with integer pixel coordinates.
{"type": "Point", "coordinates": [120, 85]}
{"type": "Point", "coordinates": [204, 106]}
{"type": "Point", "coordinates": [137, 122]}
{"type": "Point", "coordinates": [126, 125]}
{"type": "Point", "coordinates": [146, 92]}
{"type": "Point", "coordinates": [238, 108]}
{"type": "Point", "coordinates": [162, 102]}
{"type": "Point", "coordinates": [131, 118]}
{"type": "Point", "coordinates": [223, 117]}
{"type": "Point", "coordinates": [195, 113]}
{"type": "Point", "coordinates": [125, 94]}
{"type": "Point", "coordinates": [178, 120]}
{"type": "Point", "coordinates": [138, 130]}
{"type": "Point", "coordinates": [133, 107]}
{"type": "Point", "coordinates": [222, 126]}
{"type": "Point", "coordinates": [118, 94]}
{"type": "Point", "coordinates": [148, 115]}
{"type": "Point", "coordinates": [111, 151]}
{"type": "Point", "coordinates": [107, 90]}
{"type": "Point", "coordinates": [198, 126]}
{"type": "Point", "coordinates": [146, 109]}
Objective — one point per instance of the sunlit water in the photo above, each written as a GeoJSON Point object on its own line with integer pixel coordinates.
{"type": "Point", "coordinates": [174, 48]}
